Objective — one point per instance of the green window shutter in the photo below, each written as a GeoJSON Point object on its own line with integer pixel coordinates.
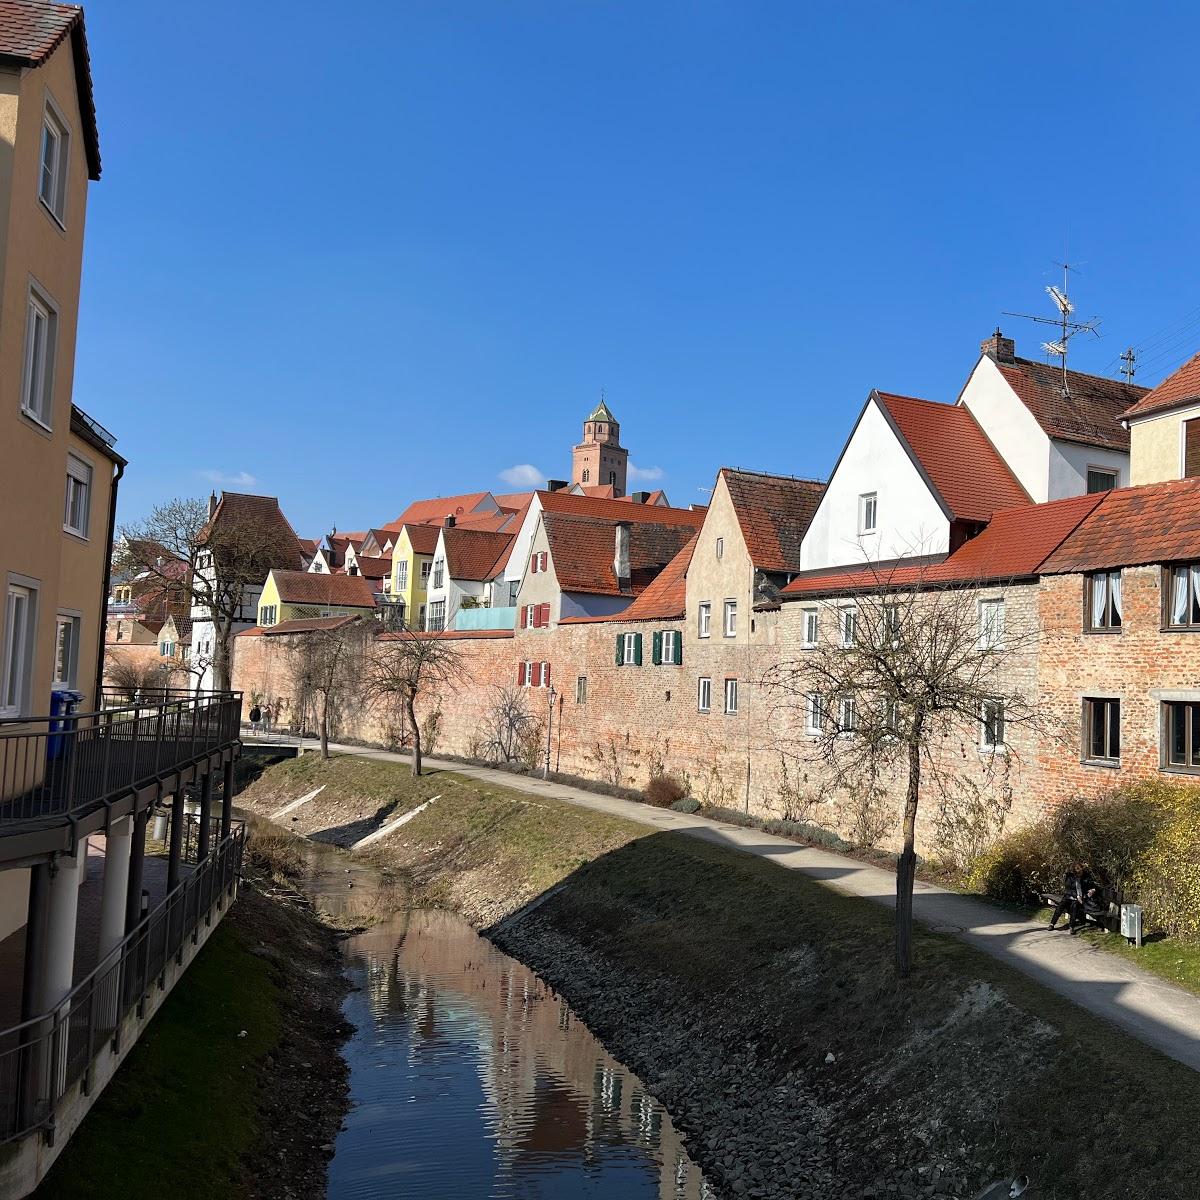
{"type": "Point", "coordinates": [637, 649]}
{"type": "Point", "coordinates": [656, 653]}
{"type": "Point", "coordinates": [679, 649]}
{"type": "Point", "coordinates": [620, 649]}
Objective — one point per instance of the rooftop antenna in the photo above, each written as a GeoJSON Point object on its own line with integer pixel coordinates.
{"type": "Point", "coordinates": [1067, 328]}
{"type": "Point", "coordinates": [1127, 364]}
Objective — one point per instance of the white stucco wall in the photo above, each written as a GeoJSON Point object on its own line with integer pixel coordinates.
{"type": "Point", "coordinates": [910, 520]}
{"type": "Point", "coordinates": [519, 555]}
{"type": "Point", "coordinates": [1012, 429]}
{"type": "Point", "coordinates": [1069, 463]}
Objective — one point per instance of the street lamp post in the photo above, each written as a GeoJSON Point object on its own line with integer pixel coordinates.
{"type": "Point", "coordinates": [550, 698]}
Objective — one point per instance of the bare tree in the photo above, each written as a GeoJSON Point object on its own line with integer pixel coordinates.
{"type": "Point", "coordinates": [910, 687]}
{"type": "Point", "coordinates": [510, 725]}
{"type": "Point", "coordinates": [327, 667]}
{"type": "Point", "coordinates": [133, 676]}
{"type": "Point", "coordinates": [409, 665]}
{"type": "Point", "coordinates": [214, 559]}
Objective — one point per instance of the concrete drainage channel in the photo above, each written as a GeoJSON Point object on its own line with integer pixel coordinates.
{"type": "Point", "coordinates": [382, 832]}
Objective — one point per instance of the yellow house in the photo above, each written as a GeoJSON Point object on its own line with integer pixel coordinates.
{"type": "Point", "coordinates": [297, 595]}
{"type": "Point", "coordinates": [412, 560]}
{"type": "Point", "coordinates": [1164, 428]}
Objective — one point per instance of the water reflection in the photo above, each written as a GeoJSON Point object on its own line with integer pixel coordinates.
{"type": "Point", "coordinates": [471, 1079]}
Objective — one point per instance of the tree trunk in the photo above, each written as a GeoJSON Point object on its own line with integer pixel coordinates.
{"type": "Point", "coordinates": [410, 708]}
{"type": "Point", "coordinates": [324, 726]}
{"type": "Point", "coordinates": [906, 868]}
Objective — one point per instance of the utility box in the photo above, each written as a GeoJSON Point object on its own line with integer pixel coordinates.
{"type": "Point", "coordinates": [1131, 923]}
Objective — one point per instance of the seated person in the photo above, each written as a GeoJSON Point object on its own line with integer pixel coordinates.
{"type": "Point", "coordinates": [1079, 890]}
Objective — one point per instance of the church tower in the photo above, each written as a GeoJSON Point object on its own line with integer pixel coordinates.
{"type": "Point", "coordinates": [600, 459]}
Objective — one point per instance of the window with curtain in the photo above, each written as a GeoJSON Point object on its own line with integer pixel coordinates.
{"type": "Point", "coordinates": [1104, 601]}
{"type": "Point", "coordinates": [1102, 730]}
{"type": "Point", "coordinates": [1183, 596]}
{"type": "Point", "coordinates": [1181, 750]}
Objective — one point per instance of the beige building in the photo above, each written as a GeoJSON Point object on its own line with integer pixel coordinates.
{"type": "Point", "coordinates": [1164, 428]}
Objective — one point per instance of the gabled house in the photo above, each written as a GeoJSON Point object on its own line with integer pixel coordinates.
{"type": "Point", "coordinates": [296, 595]}
{"type": "Point", "coordinates": [412, 561]}
{"type": "Point", "coordinates": [916, 478]}
{"type": "Point", "coordinates": [466, 565]}
{"type": "Point", "coordinates": [1164, 428]}
{"type": "Point", "coordinates": [1060, 435]}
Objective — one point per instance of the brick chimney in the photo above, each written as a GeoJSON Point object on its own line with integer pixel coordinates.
{"type": "Point", "coordinates": [212, 503]}
{"type": "Point", "coordinates": [999, 348]}
{"type": "Point", "coordinates": [621, 554]}
{"type": "Point", "coordinates": [449, 521]}
{"type": "Point", "coordinates": [556, 485]}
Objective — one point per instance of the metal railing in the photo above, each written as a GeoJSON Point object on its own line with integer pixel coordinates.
{"type": "Point", "coordinates": [43, 1058]}
{"type": "Point", "coordinates": [51, 767]}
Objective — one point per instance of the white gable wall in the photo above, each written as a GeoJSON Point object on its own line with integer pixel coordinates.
{"type": "Point", "coordinates": [514, 569]}
{"type": "Point", "coordinates": [1069, 464]}
{"type": "Point", "coordinates": [910, 519]}
{"type": "Point", "coordinates": [1012, 429]}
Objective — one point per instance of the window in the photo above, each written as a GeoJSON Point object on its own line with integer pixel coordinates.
{"type": "Point", "coordinates": [439, 573]}
{"type": "Point", "coordinates": [268, 615]}
{"type": "Point", "coordinates": [730, 625]}
{"type": "Point", "coordinates": [704, 695]}
{"type": "Point", "coordinates": [1100, 479]}
{"type": "Point", "coordinates": [1104, 601]}
{"type": "Point", "coordinates": [425, 569]}
{"type": "Point", "coordinates": [1183, 597]}
{"type": "Point", "coordinates": [846, 715]}
{"type": "Point", "coordinates": [868, 510]}
{"type": "Point", "coordinates": [66, 650]}
{"type": "Point", "coordinates": [435, 620]}
{"type": "Point", "coordinates": [79, 496]}
{"type": "Point", "coordinates": [991, 624]}
{"type": "Point", "coordinates": [421, 617]}
{"type": "Point", "coordinates": [731, 697]}
{"type": "Point", "coordinates": [720, 548]}
{"type": "Point", "coordinates": [629, 651]}
{"type": "Point", "coordinates": [671, 653]}
{"type": "Point", "coordinates": [587, 475]}
{"type": "Point", "coordinates": [20, 621]}
{"type": "Point", "coordinates": [581, 690]}
{"type": "Point", "coordinates": [891, 623]}
{"type": "Point", "coordinates": [1102, 730]}
{"type": "Point", "coordinates": [705, 619]}
{"type": "Point", "coordinates": [1191, 448]}
{"type": "Point", "coordinates": [52, 180]}
{"type": "Point", "coordinates": [41, 336]}
{"type": "Point", "coordinates": [166, 649]}
{"type": "Point", "coordinates": [612, 478]}
{"type": "Point", "coordinates": [402, 575]}
{"type": "Point", "coordinates": [814, 715]}
{"type": "Point", "coordinates": [991, 725]}
{"type": "Point", "coordinates": [808, 625]}
{"type": "Point", "coordinates": [848, 618]}
{"type": "Point", "coordinates": [1181, 751]}
{"type": "Point", "coordinates": [891, 716]}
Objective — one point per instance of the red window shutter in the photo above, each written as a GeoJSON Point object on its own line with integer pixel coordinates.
{"type": "Point", "coordinates": [536, 681]}
{"type": "Point", "coordinates": [545, 674]}
{"type": "Point", "coordinates": [1191, 448]}
{"type": "Point", "coordinates": [534, 566]}
{"type": "Point", "coordinates": [520, 674]}
{"type": "Point", "coordinates": [545, 559]}
{"type": "Point", "coordinates": [544, 615]}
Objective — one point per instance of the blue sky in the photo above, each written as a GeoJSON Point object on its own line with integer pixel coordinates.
{"type": "Point", "coordinates": [358, 256]}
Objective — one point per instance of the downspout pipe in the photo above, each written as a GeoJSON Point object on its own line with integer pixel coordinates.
{"type": "Point", "coordinates": [112, 530]}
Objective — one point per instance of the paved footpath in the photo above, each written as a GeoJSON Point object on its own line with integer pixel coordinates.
{"type": "Point", "coordinates": [1156, 1012]}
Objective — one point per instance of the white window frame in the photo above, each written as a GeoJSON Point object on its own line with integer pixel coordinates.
{"type": "Point", "coordinates": [435, 611]}
{"type": "Point", "coordinates": [704, 619]}
{"type": "Point", "coordinates": [54, 197]}
{"type": "Point", "coordinates": [72, 621]}
{"type": "Point", "coordinates": [166, 649]}
{"type": "Point", "coordinates": [671, 640]}
{"type": "Point", "coordinates": [580, 689]}
{"type": "Point", "coordinates": [268, 615]}
{"type": "Point", "coordinates": [402, 575]}
{"type": "Point", "coordinates": [17, 646]}
{"type": "Point", "coordinates": [812, 614]}
{"type": "Point", "coordinates": [438, 576]}
{"type": "Point", "coordinates": [991, 623]}
{"type": "Point", "coordinates": [986, 746]}
{"type": "Point", "coordinates": [729, 619]}
{"type": "Point", "coordinates": [37, 369]}
{"type": "Point", "coordinates": [426, 567]}
{"type": "Point", "coordinates": [704, 694]}
{"type": "Point", "coordinates": [629, 649]}
{"type": "Point", "coordinates": [731, 693]}
{"type": "Point", "coordinates": [847, 625]}
{"type": "Point", "coordinates": [719, 548]}
{"type": "Point", "coordinates": [79, 473]}
{"type": "Point", "coordinates": [1098, 469]}
{"type": "Point", "coordinates": [868, 513]}
{"type": "Point", "coordinates": [814, 713]}
{"type": "Point", "coordinates": [847, 716]}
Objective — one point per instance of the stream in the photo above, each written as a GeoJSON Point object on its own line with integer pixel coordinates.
{"type": "Point", "coordinates": [470, 1078]}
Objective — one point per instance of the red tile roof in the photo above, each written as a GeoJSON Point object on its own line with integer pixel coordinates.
{"type": "Point", "coordinates": [448, 635]}
{"type": "Point", "coordinates": [312, 587]}
{"type": "Point", "coordinates": [373, 568]}
{"type": "Point", "coordinates": [475, 554]}
{"type": "Point", "coordinates": [514, 501]}
{"type": "Point", "coordinates": [30, 31]}
{"type": "Point", "coordinates": [618, 510]}
{"type": "Point", "coordinates": [278, 544]}
{"type": "Point", "coordinates": [1181, 387]}
{"type": "Point", "coordinates": [493, 522]}
{"type": "Point", "coordinates": [1090, 412]}
{"type": "Point", "coordinates": [1014, 545]}
{"type": "Point", "coordinates": [436, 509]}
{"type": "Point", "coordinates": [582, 550]}
{"type": "Point", "coordinates": [423, 538]}
{"type": "Point", "coordinates": [307, 624]}
{"type": "Point", "coordinates": [774, 512]}
{"type": "Point", "coordinates": [963, 466]}
{"type": "Point", "coordinates": [663, 600]}
{"type": "Point", "coordinates": [1156, 523]}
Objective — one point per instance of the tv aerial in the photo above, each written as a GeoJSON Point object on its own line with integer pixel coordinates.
{"type": "Point", "coordinates": [1067, 328]}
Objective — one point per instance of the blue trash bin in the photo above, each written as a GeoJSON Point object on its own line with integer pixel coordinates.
{"type": "Point", "coordinates": [63, 704]}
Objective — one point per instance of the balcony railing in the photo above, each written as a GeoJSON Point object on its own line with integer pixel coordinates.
{"type": "Point", "coordinates": [43, 1058]}
{"type": "Point", "coordinates": [53, 769]}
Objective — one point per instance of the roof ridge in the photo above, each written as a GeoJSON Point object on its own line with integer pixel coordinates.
{"type": "Point", "coordinates": [1033, 362]}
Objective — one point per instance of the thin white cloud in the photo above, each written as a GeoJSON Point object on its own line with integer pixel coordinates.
{"type": "Point", "coordinates": [645, 474]}
{"type": "Point", "coordinates": [523, 475]}
{"type": "Point", "coordinates": [223, 479]}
